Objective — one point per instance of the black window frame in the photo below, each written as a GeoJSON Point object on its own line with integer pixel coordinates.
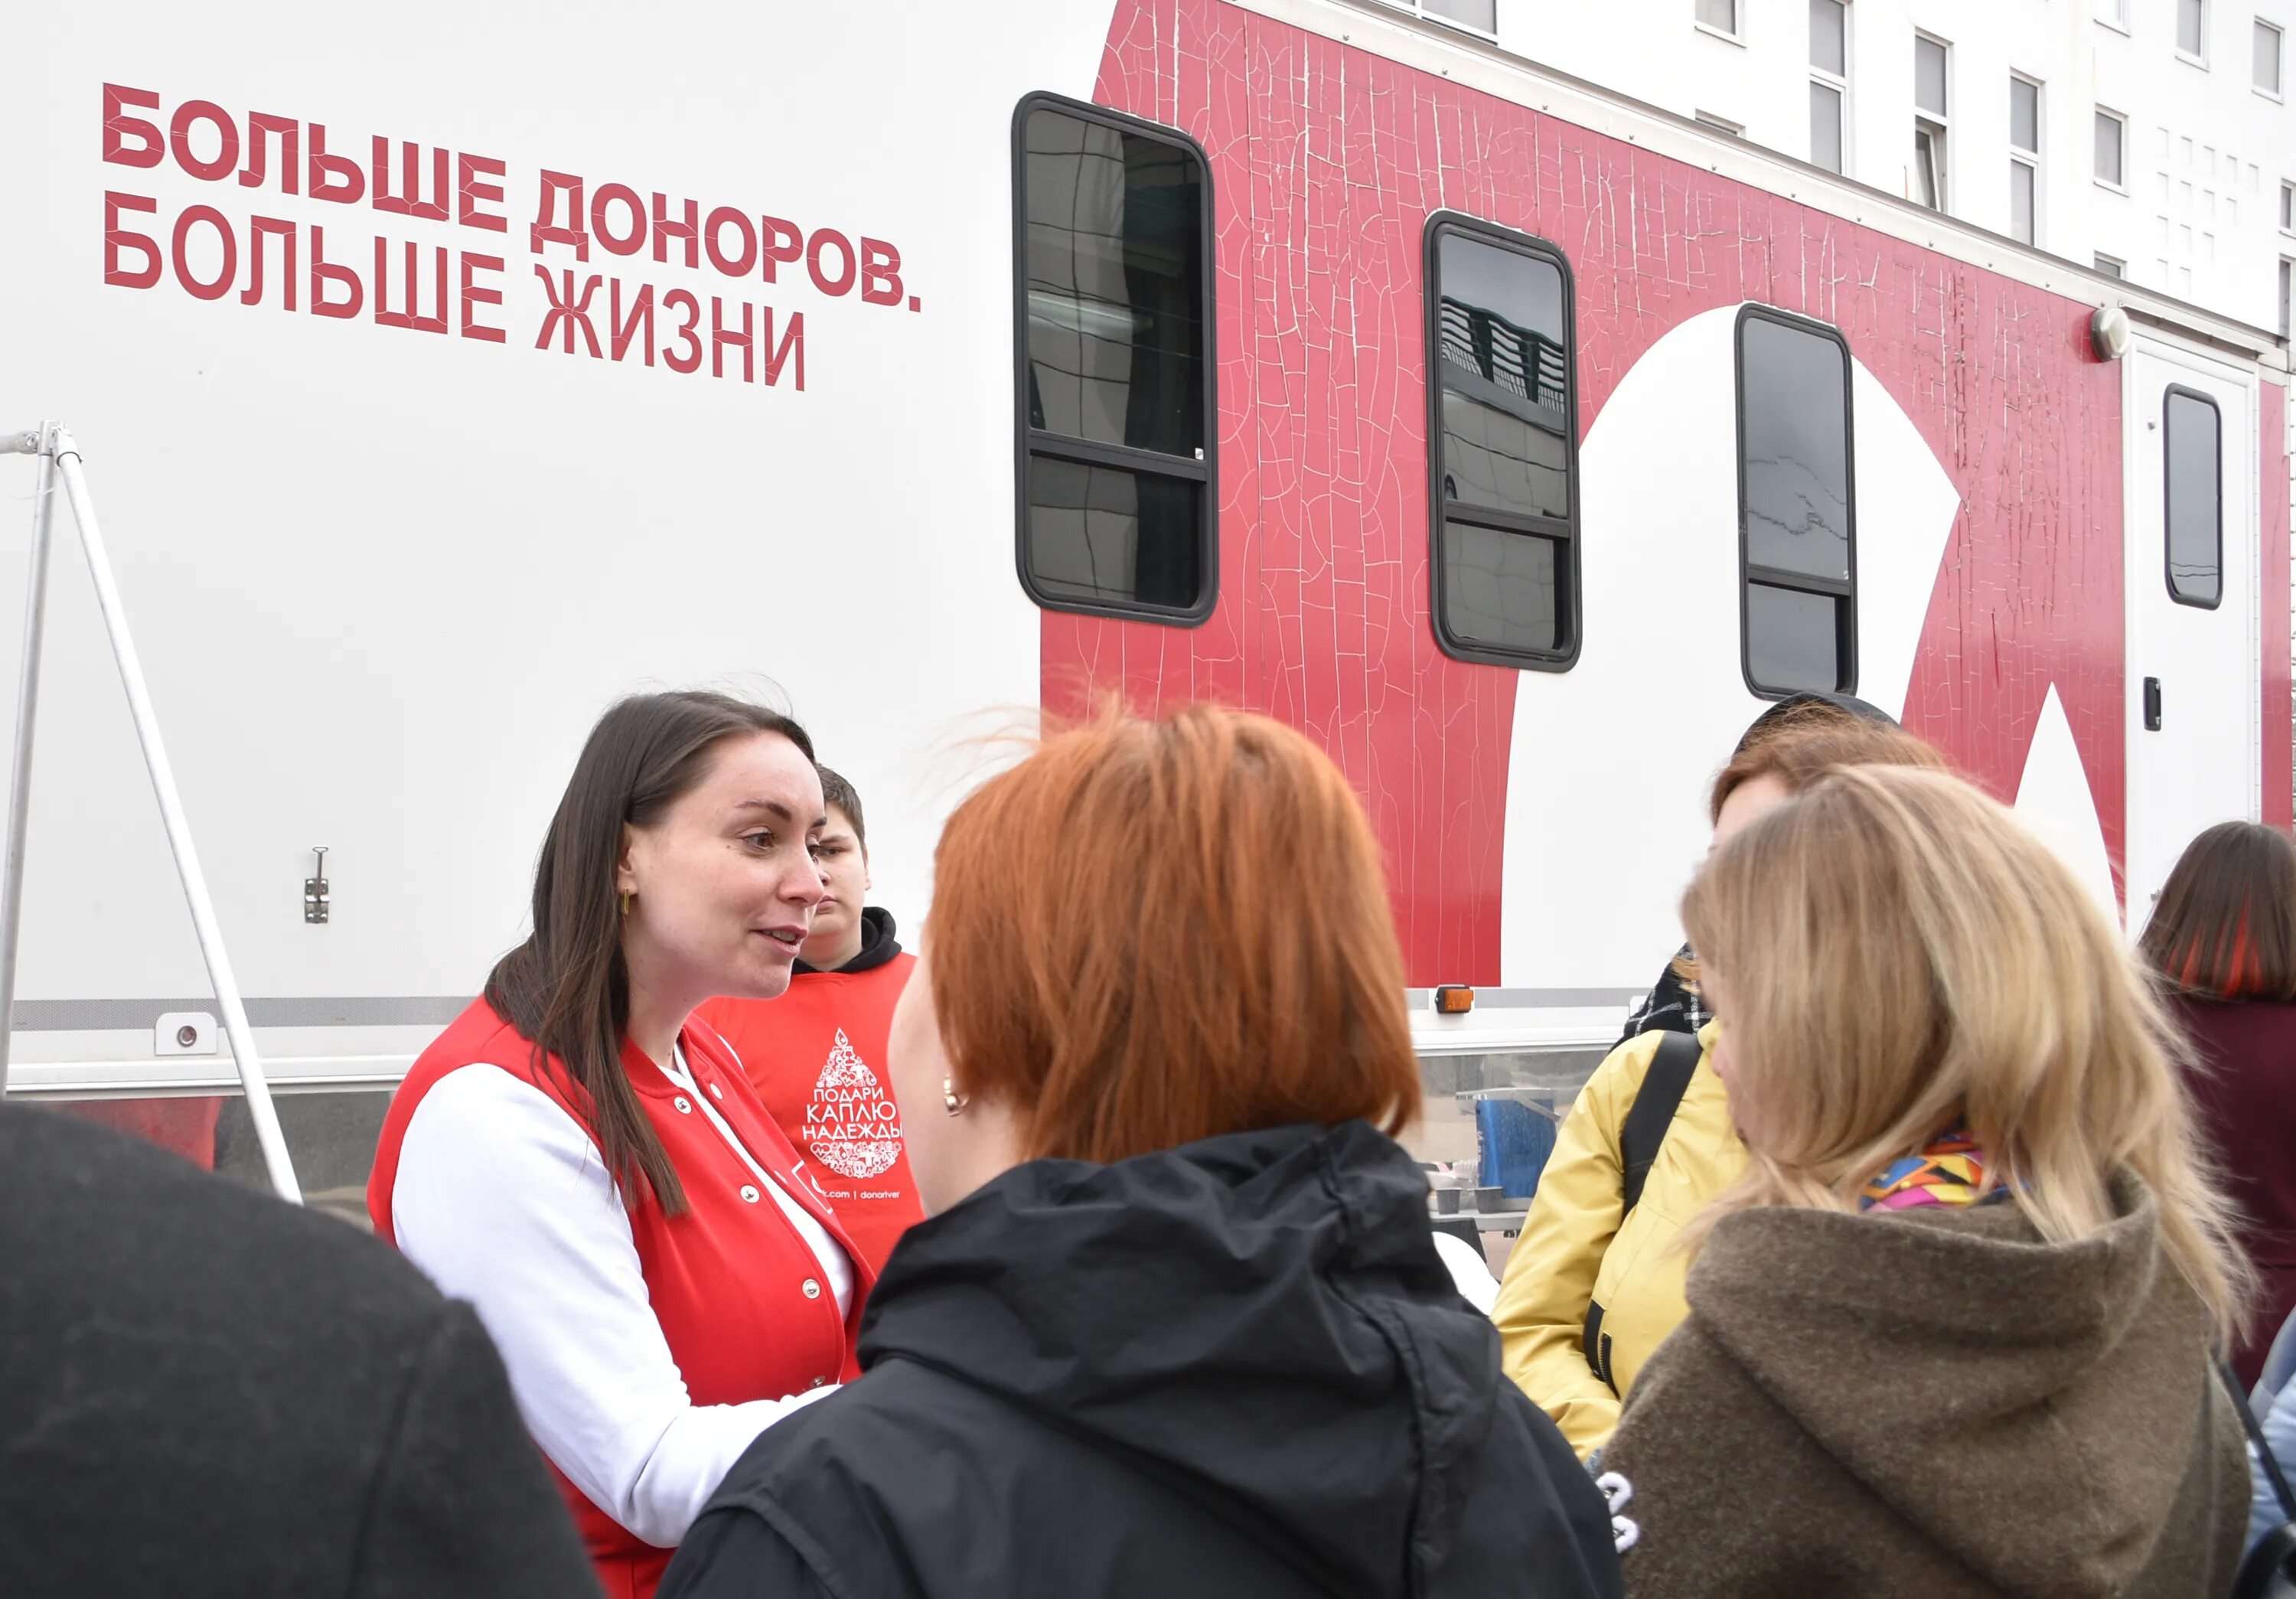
{"type": "Point", "coordinates": [1565, 536]}
{"type": "Point", "coordinates": [1029, 442]}
{"type": "Point", "coordinates": [1845, 645]}
{"type": "Point", "coordinates": [2168, 567]}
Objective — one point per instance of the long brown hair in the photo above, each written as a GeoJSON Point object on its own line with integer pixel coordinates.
{"type": "Point", "coordinates": [1798, 755]}
{"type": "Point", "coordinates": [1152, 932]}
{"type": "Point", "coordinates": [1801, 749]}
{"type": "Point", "coordinates": [1900, 952]}
{"type": "Point", "coordinates": [566, 989]}
{"type": "Point", "coordinates": [2225, 924]}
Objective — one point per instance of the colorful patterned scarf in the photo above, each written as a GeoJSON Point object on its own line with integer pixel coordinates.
{"type": "Point", "coordinates": [1948, 1172]}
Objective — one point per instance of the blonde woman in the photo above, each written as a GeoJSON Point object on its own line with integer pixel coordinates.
{"type": "Point", "coordinates": [1594, 1283]}
{"type": "Point", "coordinates": [1951, 1330]}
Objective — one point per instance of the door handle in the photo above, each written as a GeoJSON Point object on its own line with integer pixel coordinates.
{"type": "Point", "coordinates": [2152, 705]}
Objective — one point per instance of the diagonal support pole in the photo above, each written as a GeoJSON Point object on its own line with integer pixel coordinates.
{"type": "Point", "coordinates": [27, 699]}
{"type": "Point", "coordinates": [64, 452]}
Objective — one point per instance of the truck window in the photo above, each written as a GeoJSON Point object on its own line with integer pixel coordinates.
{"type": "Point", "coordinates": [2193, 438]}
{"type": "Point", "coordinates": [1117, 401]}
{"type": "Point", "coordinates": [1502, 457]}
{"type": "Point", "coordinates": [1797, 506]}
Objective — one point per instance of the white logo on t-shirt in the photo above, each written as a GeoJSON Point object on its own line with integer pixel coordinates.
{"type": "Point", "coordinates": [852, 1124]}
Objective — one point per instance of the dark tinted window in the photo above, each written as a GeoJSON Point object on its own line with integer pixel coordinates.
{"type": "Point", "coordinates": [1117, 392]}
{"type": "Point", "coordinates": [1503, 461]}
{"type": "Point", "coordinates": [1796, 504]}
{"type": "Point", "coordinates": [2195, 498]}
{"type": "Point", "coordinates": [1102, 535]}
{"type": "Point", "coordinates": [1793, 638]}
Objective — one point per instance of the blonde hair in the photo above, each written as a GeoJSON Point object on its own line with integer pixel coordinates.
{"type": "Point", "coordinates": [1898, 953]}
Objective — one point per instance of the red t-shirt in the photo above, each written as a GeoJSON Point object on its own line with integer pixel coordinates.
{"type": "Point", "coordinates": [817, 1056]}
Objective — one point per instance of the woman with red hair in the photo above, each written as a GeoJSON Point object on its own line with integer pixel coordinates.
{"type": "Point", "coordinates": [1174, 1322]}
{"type": "Point", "coordinates": [2224, 936]}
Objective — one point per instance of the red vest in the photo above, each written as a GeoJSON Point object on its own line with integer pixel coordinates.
{"type": "Point", "coordinates": [725, 1279]}
{"type": "Point", "coordinates": [816, 1057]}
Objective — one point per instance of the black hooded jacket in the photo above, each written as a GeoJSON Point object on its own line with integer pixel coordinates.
{"type": "Point", "coordinates": [1234, 1368]}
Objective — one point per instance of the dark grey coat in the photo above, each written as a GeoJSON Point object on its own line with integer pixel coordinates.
{"type": "Point", "coordinates": [207, 1394]}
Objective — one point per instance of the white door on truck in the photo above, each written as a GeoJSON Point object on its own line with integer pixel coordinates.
{"type": "Point", "coordinates": [2190, 563]}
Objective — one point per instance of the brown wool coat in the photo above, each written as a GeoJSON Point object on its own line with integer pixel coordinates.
{"type": "Point", "coordinates": [1928, 1403]}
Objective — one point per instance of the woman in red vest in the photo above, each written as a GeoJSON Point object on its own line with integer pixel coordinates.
{"type": "Point", "coordinates": [590, 1168]}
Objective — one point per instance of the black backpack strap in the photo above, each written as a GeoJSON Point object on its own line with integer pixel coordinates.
{"type": "Point", "coordinates": [2272, 1471]}
{"type": "Point", "coordinates": [1652, 1111]}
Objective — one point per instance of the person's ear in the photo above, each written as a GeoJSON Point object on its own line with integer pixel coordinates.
{"type": "Point", "coordinates": [625, 880]}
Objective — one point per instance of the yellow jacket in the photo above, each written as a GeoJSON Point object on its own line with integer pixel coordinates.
{"type": "Point", "coordinates": [1573, 1252]}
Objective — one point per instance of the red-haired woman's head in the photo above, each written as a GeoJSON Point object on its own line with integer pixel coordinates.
{"type": "Point", "coordinates": [1146, 933]}
{"type": "Point", "coordinates": [2224, 927]}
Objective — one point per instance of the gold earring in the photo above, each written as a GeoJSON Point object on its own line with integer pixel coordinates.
{"type": "Point", "coordinates": [951, 1097]}
{"type": "Point", "coordinates": [625, 902]}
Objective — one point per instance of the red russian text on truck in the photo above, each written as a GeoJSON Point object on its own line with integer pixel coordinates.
{"type": "Point", "coordinates": [607, 195]}
{"type": "Point", "coordinates": [665, 230]}
{"type": "Point", "coordinates": [411, 318]}
{"type": "Point", "coordinates": [117, 238]}
{"type": "Point", "coordinates": [410, 165]}
{"type": "Point", "coordinates": [475, 294]}
{"type": "Point", "coordinates": [192, 216]}
{"type": "Point", "coordinates": [816, 247]}
{"type": "Point", "coordinates": [880, 272]}
{"type": "Point", "coordinates": [548, 230]}
{"type": "Point", "coordinates": [334, 177]}
{"type": "Point", "coordinates": [151, 147]}
{"type": "Point", "coordinates": [289, 132]}
{"type": "Point", "coordinates": [680, 300]}
{"type": "Point", "coordinates": [566, 311]}
{"type": "Point", "coordinates": [258, 229]}
{"type": "Point", "coordinates": [323, 273]}
{"type": "Point", "coordinates": [472, 192]}
{"type": "Point", "coordinates": [190, 114]}
{"type": "Point", "coordinates": [783, 243]}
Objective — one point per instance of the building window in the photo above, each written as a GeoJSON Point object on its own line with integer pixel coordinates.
{"type": "Point", "coordinates": [1797, 505]}
{"type": "Point", "coordinates": [2287, 294]}
{"type": "Point", "coordinates": [2267, 58]}
{"type": "Point", "coordinates": [1828, 84]}
{"type": "Point", "coordinates": [1930, 71]}
{"type": "Point", "coordinates": [1719, 16]}
{"type": "Point", "coordinates": [1477, 16]}
{"type": "Point", "coordinates": [1503, 407]}
{"type": "Point", "coordinates": [2288, 208]}
{"type": "Point", "coordinates": [2193, 30]}
{"type": "Point", "coordinates": [2192, 435]}
{"type": "Point", "coordinates": [2111, 267]}
{"type": "Point", "coordinates": [1117, 399]}
{"type": "Point", "coordinates": [2111, 148]}
{"type": "Point", "coordinates": [1721, 124]}
{"type": "Point", "coordinates": [2024, 158]}
{"type": "Point", "coordinates": [2114, 13]}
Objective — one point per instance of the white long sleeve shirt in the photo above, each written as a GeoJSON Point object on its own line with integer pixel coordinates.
{"type": "Point", "coordinates": [502, 1200]}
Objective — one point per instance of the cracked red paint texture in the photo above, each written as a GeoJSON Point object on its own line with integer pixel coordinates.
{"type": "Point", "coordinates": [1326, 161]}
{"type": "Point", "coordinates": [2273, 603]}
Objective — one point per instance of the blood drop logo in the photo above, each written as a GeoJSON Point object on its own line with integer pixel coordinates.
{"type": "Point", "coordinates": [852, 1125]}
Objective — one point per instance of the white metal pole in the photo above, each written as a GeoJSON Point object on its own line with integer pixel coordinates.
{"type": "Point", "coordinates": [179, 834]}
{"type": "Point", "coordinates": [19, 774]}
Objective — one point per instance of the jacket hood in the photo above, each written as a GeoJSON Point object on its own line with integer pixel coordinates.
{"type": "Point", "coordinates": [1950, 1360]}
{"type": "Point", "coordinates": [1260, 1321]}
{"type": "Point", "coordinates": [878, 945]}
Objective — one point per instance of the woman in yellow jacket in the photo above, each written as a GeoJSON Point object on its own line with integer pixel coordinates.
{"type": "Point", "coordinates": [1594, 1286]}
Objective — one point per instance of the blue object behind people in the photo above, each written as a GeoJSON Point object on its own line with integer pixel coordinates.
{"type": "Point", "coordinates": [2274, 1403]}
{"type": "Point", "coordinates": [1514, 1141]}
